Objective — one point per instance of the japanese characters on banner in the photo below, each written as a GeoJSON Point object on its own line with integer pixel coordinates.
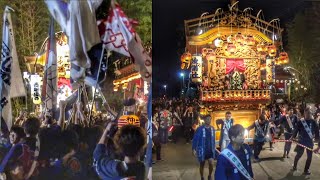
{"type": "Point", "coordinates": [36, 82]}
{"type": "Point", "coordinates": [269, 67]}
{"type": "Point", "coordinates": [196, 69]}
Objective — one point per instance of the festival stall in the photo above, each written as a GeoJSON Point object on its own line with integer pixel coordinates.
{"type": "Point", "coordinates": [236, 59]}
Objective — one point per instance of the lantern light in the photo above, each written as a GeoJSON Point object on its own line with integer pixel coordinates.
{"type": "Point", "coordinates": [272, 50]}
{"type": "Point", "coordinates": [231, 48]}
{"type": "Point", "coordinates": [239, 38]}
{"type": "Point", "coordinates": [250, 40]}
{"type": "Point", "coordinates": [218, 42]}
{"type": "Point", "coordinates": [230, 39]}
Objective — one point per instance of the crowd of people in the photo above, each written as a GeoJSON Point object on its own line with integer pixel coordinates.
{"type": "Point", "coordinates": [41, 147]}
{"type": "Point", "coordinates": [298, 123]}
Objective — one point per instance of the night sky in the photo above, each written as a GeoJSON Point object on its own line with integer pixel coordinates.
{"type": "Point", "coordinates": [168, 32]}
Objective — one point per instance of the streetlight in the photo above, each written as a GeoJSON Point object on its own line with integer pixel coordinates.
{"type": "Point", "coordinates": [165, 89]}
{"type": "Point", "coordinates": [182, 89]}
{"type": "Point", "coordinates": [182, 75]}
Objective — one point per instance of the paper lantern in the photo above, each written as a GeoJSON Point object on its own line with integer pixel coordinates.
{"type": "Point", "coordinates": [283, 56]}
{"type": "Point", "coordinates": [218, 42]}
{"type": "Point", "coordinates": [231, 48]}
{"type": "Point", "coordinates": [35, 83]}
{"type": "Point", "coordinates": [250, 41]}
{"type": "Point", "coordinates": [230, 39]}
{"type": "Point", "coordinates": [129, 119]}
{"type": "Point", "coordinates": [272, 50]}
{"type": "Point", "coordinates": [262, 48]}
{"type": "Point", "coordinates": [196, 69]}
{"type": "Point", "coordinates": [239, 38]}
{"type": "Point", "coordinates": [185, 60]}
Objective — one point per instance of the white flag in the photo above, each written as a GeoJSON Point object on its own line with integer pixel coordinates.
{"type": "Point", "coordinates": [10, 72]}
{"type": "Point", "coordinates": [121, 37]}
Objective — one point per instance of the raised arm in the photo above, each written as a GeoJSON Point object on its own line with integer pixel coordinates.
{"type": "Point", "coordinates": [62, 106]}
{"type": "Point", "coordinates": [251, 126]}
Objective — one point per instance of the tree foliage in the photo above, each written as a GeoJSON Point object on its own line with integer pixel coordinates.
{"type": "Point", "coordinates": [303, 45]}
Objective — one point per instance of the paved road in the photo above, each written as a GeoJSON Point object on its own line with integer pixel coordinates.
{"type": "Point", "coordinates": [179, 164]}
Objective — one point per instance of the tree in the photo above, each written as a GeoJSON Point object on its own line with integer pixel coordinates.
{"type": "Point", "coordinates": [303, 45]}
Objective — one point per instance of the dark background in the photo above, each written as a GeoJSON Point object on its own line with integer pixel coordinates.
{"type": "Point", "coordinates": [168, 37]}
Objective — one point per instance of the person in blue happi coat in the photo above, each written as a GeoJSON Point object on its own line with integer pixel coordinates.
{"type": "Point", "coordinates": [307, 129]}
{"type": "Point", "coordinates": [226, 165]}
{"type": "Point", "coordinates": [131, 142]}
{"type": "Point", "coordinates": [203, 145]}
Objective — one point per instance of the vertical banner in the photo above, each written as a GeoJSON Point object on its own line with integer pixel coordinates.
{"type": "Point", "coordinates": [11, 83]}
{"type": "Point", "coordinates": [196, 69]}
{"type": "Point", "coordinates": [269, 70]}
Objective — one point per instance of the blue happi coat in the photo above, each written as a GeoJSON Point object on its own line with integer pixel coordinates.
{"type": "Point", "coordinates": [227, 171]}
{"type": "Point", "coordinates": [198, 142]}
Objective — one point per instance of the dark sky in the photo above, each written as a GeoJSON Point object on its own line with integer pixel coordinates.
{"type": "Point", "coordinates": [168, 31]}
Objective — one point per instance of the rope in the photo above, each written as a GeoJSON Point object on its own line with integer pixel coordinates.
{"type": "Point", "coordinates": [282, 140]}
{"type": "Point", "coordinates": [298, 144]}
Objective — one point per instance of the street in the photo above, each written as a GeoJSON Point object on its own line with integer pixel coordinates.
{"type": "Point", "coordinates": [179, 164]}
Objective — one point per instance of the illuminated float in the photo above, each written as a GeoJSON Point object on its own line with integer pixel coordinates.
{"type": "Point", "coordinates": [129, 81]}
{"type": "Point", "coordinates": [235, 61]}
{"type": "Point", "coordinates": [35, 66]}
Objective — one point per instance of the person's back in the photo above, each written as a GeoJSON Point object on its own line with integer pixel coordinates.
{"type": "Point", "coordinates": [131, 141]}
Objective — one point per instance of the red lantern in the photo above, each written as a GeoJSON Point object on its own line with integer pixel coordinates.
{"type": "Point", "coordinates": [185, 60]}
{"type": "Point", "coordinates": [272, 50]}
{"type": "Point", "coordinates": [231, 48]}
{"type": "Point", "coordinates": [250, 41]}
{"type": "Point", "coordinates": [260, 47]}
{"type": "Point", "coordinates": [230, 39]}
{"type": "Point", "coordinates": [239, 38]}
{"type": "Point", "coordinates": [283, 57]}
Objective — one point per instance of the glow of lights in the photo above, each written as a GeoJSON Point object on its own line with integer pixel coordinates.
{"type": "Point", "coordinates": [246, 133]}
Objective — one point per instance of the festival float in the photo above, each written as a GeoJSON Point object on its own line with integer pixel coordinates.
{"type": "Point", "coordinates": [35, 66]}
{"type": "Point", "coordinates": [129, 80]}
{"type": "Point", "coordinates": [237, 61]}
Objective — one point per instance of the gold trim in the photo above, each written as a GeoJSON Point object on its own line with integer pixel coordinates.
{"type": "Point", "coordinates": [214, 33]}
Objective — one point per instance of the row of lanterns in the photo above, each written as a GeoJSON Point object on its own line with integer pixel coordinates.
{"type": "Point", "coordinates": [234, 94]}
